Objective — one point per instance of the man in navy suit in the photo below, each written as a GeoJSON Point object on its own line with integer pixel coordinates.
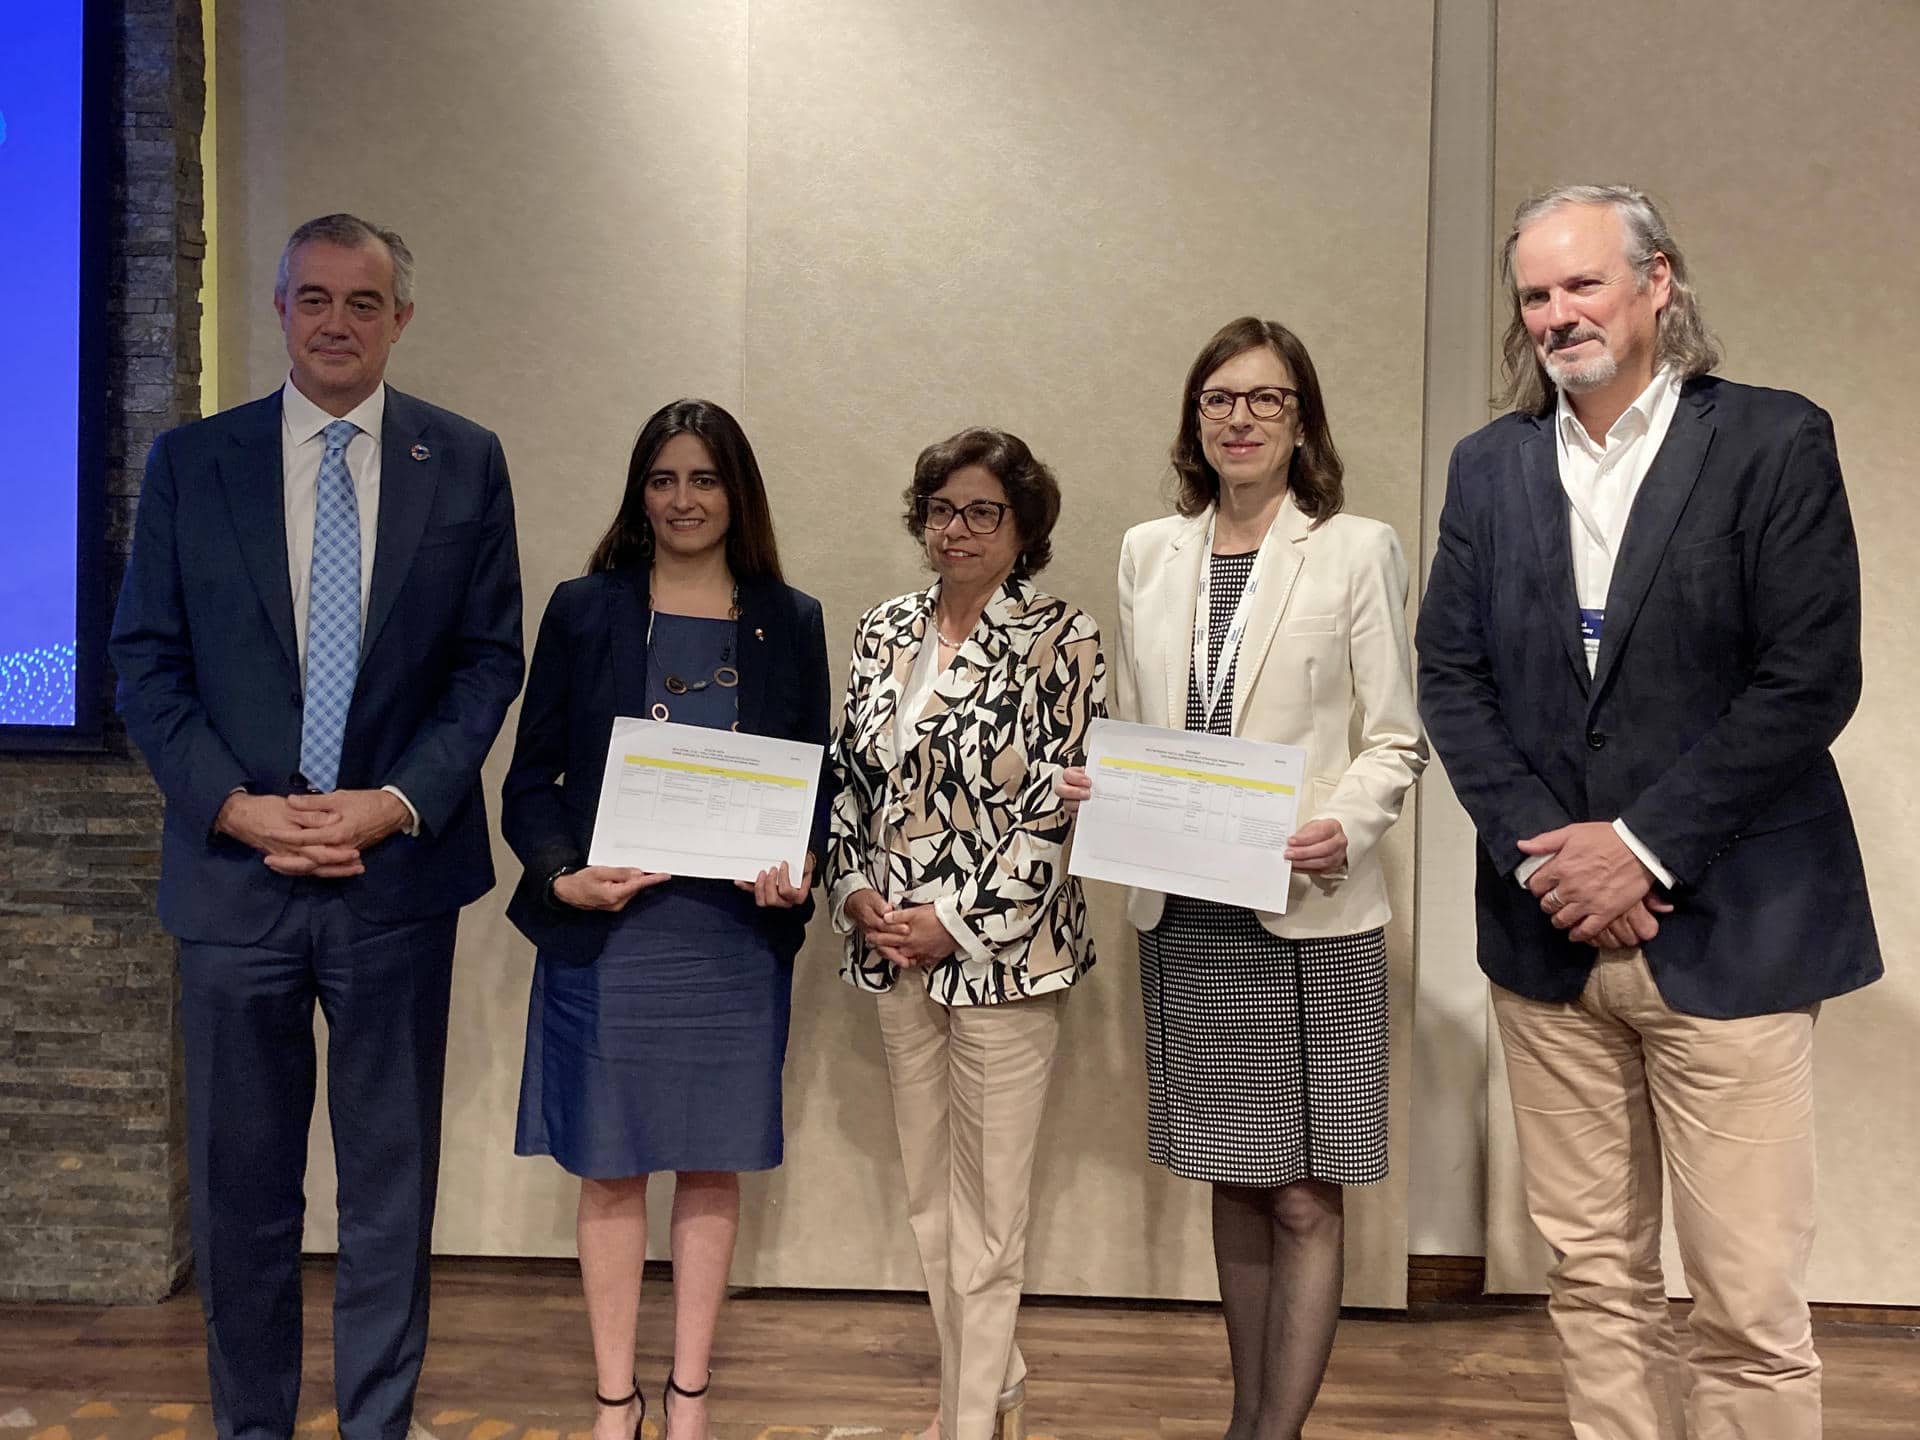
{"type": "Point", "coordinates": [1641, 635]}
{"type": "Point", "coordinates": [316, 642]}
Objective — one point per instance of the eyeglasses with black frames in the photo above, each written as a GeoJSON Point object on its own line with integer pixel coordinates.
{"type": "Point", "coordinates": [983, 517]}
{"type": "Point", "coordinates": [1264, 402]}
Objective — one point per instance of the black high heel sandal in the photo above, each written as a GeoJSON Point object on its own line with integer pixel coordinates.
{"type": "Point", "coordinates": [674, 1387]}
{"type": "Point", "coordinates": [628, 1399]}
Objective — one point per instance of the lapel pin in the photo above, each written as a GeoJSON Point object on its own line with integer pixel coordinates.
{"type": "Point", "coordinates": [421, 452]}
{"type": "Point", "coordinates": [758, 633]}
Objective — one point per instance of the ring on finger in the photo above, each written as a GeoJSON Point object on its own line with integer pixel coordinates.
{"type": "Point", "coordinates": [1554, 902]}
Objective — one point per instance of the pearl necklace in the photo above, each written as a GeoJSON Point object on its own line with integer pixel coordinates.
{"type": "Point", "coordinates": [946, 639]}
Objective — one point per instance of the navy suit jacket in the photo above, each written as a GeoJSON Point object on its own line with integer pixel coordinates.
{"type": "Point", "coordinates": [210, 680]}
{"type": "Point", "coordinates": [1729, 662]}
{"type": "Point", "coordinates": [590, 665]}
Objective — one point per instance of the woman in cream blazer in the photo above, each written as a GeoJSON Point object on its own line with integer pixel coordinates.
{"type": "Point", "coordinates": [1262, 611]}
{"type": "Point", "coordinates": [1326, 636]}
{"type": "Point", "coordinates": [946, 872]}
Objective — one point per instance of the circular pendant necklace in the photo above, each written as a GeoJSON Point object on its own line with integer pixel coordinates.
{"type": "Point", "coordinates": [726, 674]}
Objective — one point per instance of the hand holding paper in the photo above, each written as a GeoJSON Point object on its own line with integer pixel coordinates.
{"type": "Point", "coordinates": [775, 888]}
{"type": "Point", "coordinates": [604, 887]}
{"type": "Point", "coordinates": [1074, 786]}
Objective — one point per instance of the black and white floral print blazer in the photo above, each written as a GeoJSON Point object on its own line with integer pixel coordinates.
{"type": "Point", "coordinates": [967, 819]}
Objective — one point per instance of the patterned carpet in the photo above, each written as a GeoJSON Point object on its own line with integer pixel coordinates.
{"type": "Point", "coordinates": [75, 1418]}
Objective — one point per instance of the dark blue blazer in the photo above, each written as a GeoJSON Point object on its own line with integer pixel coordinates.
{"type": "Point", "coordinates": [209, 675]}
{"type": "Point", "coordinates": [590, 665]}
{"type": "Point", "coordinates": [1729, 662]}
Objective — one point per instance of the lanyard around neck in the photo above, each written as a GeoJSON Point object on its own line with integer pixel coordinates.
{"type": "Point", "coordinates": [1210, 693]}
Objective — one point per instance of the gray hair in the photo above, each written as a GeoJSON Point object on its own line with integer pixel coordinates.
{"type": "Point", "coordinates": [1683, 342]}
{"type": "Point", "coordinates": [353, 233]}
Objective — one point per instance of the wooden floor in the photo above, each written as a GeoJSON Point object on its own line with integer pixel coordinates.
{"type": "Point", "coordinates": [510, 1336]}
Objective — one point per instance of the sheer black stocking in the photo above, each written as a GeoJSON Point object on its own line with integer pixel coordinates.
{"type": "Point", "coordinates": [1279, 1253]}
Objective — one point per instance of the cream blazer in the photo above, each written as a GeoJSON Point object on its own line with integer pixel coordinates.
{"type": "Point", "coordinates": [1324, 665]}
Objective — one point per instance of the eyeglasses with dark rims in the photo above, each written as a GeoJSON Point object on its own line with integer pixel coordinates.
{"type": "Point", "coordinates": [983, 517]}
{"type": "Point", "coordinates": [1264, 402]}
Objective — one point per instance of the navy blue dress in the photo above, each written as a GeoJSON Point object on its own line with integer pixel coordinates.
{"type": "Point", "coordinates": [666, 1052]}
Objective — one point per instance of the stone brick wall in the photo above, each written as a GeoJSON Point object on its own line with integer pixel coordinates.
{"type": "Point", "coordinates": [93, 1198]}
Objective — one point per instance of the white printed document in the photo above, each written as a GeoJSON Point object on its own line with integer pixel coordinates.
{"type": "Point", "coordinates": [1189, 813]}
{"type": "Point", "coordinates": [694, 801]}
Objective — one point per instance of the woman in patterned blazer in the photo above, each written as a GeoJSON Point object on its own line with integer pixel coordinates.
{"type": "Point", "coordinates": [1264, 610]}
{"type": "Point", "coordinates": [946, 873]}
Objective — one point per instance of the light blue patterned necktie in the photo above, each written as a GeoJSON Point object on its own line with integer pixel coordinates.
{"type": "Point", "coordinates": [333, 613]}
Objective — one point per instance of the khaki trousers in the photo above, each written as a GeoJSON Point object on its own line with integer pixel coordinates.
{"type": "Point", "coordinates": [969, 1084]}
{"type": "Point", "coordinates": [1603, 1089]}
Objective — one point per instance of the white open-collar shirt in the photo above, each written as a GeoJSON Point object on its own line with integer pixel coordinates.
{"type": "Point", "coordinates": [1601, 479]}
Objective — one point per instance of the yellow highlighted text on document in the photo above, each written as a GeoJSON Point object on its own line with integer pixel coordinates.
{"type": "Point", "coordinates": [1206, 777]}
{"type": "Point", "coordinates": [798, 782]}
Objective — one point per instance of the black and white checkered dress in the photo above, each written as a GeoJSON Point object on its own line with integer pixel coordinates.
{"type": "Point", "coordinates": [1266, 1058]}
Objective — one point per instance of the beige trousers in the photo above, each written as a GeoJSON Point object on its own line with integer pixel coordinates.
{"type": "Point", "coordinates": [969, 1084]}
{"type": "Point", "coordinates": [1603, 1090]}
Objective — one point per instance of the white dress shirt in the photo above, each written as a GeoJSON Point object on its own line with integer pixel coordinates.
{"type": "Point", "coordinates": [303, 446]}
{"type": "Point", "coordinates": [1601, 480]}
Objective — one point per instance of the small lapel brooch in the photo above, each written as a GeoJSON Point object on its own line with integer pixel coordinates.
{"type": "Point", "coordinates": [420, 452]}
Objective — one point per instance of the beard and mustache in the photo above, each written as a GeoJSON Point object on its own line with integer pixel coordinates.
{"type": "Point", "coordinates": [1579, 375]}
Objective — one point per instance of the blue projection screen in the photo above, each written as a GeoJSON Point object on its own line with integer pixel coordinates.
{"type": "Point", "coordinates": [50, 453]}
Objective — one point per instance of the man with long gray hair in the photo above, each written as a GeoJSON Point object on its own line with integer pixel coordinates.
{"type": "Point", "coordinates": [318, 638]}
{"type": "Point", "coordinates": [1641, 635]}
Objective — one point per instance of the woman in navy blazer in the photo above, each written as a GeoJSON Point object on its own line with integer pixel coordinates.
{"type": "Point", "coordinates": [657, 1025]}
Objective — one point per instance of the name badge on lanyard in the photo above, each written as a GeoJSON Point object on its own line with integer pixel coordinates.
{"type": "Point", "coordinates": [1211, 693]}
{"type": "Point", "coordinates": [1592, 623]}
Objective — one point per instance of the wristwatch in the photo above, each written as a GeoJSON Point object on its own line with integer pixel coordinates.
{"type": "Point", "coordinates": [547, 890]}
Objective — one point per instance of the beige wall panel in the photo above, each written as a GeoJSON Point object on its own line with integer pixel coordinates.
{"type": "Point", "coordinates": [571, 179]}
{"type": "Point", "coordinates": [1780, 139]}
{"type": "Point", "coordinates": [1446, 1172]}
{"type": "Point", "coordinates": [1032, 217]}
{"type": "Point", "coordinates": [251, 153]}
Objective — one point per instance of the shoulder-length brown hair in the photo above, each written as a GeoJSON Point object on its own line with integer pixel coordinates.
{"type": "Point", "coordinates": [1316, 472]}
{"type": "Point", "coordinates": [751, 550]}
